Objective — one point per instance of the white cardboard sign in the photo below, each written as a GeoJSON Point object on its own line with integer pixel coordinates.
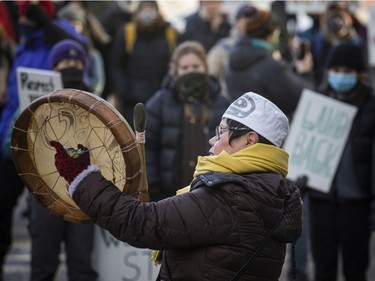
{"type": "Point", "coordinates": [33, 83]}
{"type": "Point", "coordinates": [118, 261]}
{"type": "Point", "coordinates": [311, 6]}
{"type": "Point", "coordinates": [371, 35]}
{"type": "Point", "coordinates": [317, 138]}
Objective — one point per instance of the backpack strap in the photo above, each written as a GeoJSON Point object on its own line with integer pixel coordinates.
{"type": "Point", "coordinates": [130, 36]}
{"type": "Point", "coordinates": [171, 36]}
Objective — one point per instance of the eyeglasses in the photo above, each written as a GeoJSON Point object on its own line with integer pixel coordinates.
{"type": "Point", "coordinates": [222, 128]}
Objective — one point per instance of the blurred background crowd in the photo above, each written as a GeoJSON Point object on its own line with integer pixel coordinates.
{"type": "Point", "coordinates": [187, 61]}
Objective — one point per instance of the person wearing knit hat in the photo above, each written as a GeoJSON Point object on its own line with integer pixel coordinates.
{"type": "Point", "coordinates": [348, 55]}
{"type": "Point", "coordinates": [252, 63]}
{"type": "Point", "coordinates": [69, 58]}
{"type": "Point", "coordinates": [67, 49]}
{"type": "Point", "coordinates": [344, 64]}
{"type": "Point", "coordinates": [38, 31]}
{"type": "Point", "coordinates": [84, 22]}
{"type": "Point", "coordinates": [261, 23]}
{"type": "Point", "coordinates": [49, 232]}
{"type": "Point", "coordinates": [342, 219]}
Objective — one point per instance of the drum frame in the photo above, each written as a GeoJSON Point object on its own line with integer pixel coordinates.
{"type": "Point", "coordinates": [108, 115]}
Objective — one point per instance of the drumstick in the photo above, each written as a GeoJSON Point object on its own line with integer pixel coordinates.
{"type": "Point", "coordinates": [140, 128]}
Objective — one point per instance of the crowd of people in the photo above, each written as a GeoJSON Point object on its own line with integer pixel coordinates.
{"type": "Point", "coordinates": [219, 97]}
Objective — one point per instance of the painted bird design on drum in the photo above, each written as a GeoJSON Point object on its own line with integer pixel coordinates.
{"type": "Point", "coordinates": [70, 162]}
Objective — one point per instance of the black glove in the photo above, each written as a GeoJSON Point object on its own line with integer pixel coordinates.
{"type": "Point", "coordinates": [301, 183]}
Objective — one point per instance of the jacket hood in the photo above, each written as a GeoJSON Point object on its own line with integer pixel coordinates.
{"type": "Point", "coordinates": [245, 54]}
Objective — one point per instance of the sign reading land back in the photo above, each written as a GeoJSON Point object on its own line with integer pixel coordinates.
{"type": "Point", "coordinates": [317, 138]}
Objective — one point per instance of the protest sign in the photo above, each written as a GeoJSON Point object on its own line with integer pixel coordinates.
{"type": "Point", "coordinates": [371, 36]}
{"type": "Point", "coordinates": [312, 6]}
{"type": "Point", "coordinates": [317, 138]}
{"type": "Point", "coordinates": [118, 261]}
{"type": "Point", "coordinates": [34, 83]}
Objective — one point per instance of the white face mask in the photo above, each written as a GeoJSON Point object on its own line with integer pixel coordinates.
{"type": "Point", "coordinates": [147, 17]}
{"type": "Point", "coordinates": [127, 6]}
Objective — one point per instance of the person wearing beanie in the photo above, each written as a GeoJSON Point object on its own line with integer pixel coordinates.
{"type": "Point", "coordinates": [251, 65]}
{"type": "Point", "coordinates": [86, 23]}
{"type": "Point", "coordinates": [234, 219]}
{"type": "Point", "coordinates": [38, 31]}
{"type": "Point", "coordinates": [48, 232]}
{"type": "Point", "coordinates": [66, 50]}
{"type": "Point", "coordinates": [342, 220]}
{"type": "Point", "coordinates": [69, 58]}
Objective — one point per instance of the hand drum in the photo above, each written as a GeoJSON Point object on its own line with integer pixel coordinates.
{"type": "Point", "coordinates": [73, 117]}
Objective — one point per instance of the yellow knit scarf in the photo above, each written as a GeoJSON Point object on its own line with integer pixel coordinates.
{"type": "Point", "coordinates": [257, 158]}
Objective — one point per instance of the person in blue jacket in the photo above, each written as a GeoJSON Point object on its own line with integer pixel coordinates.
{"type": "Point", "coordinates": [38, 33]}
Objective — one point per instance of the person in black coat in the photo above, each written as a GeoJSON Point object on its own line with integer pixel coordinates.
{"type": "Point", "coordinates": [252, 65]}
{"type": "Point", "coordinates": [181, 117]}
{"type": "Point", "coordinates": [140, 55]}
{"type": "Point", "coordinates": [207, 25]}
{"type": "Point", "coordinates": [48, 232]}
{"type": "Point", "coordinates": [342, 219]}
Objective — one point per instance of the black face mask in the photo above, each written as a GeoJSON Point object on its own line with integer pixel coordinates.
{"type": "Point", "coordinates": [72, 77]}
{"type": "Point", "coordinates": [193, 85]}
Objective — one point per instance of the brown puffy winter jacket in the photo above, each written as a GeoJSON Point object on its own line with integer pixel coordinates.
{"type": "Point", "coordinates": [207, 233]}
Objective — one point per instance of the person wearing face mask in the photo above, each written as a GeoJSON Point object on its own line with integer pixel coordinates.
{"type": "Point", "coordinates": [140, 55]}
{"type": "Point", "coordinates": [38, 31]}
{"type": "Point", "coordinates": [186, 110]}
{"type": "Point", "coordinates": [117, 14]}
{"type": "Point", "coordinates": [336, 27]}
{"type": "Point", "coordinates": [69, 58]}
{"type": "Point", "coordinates": [342, 220]}
{"type": "Point", "coordinates": [47, 231]}
{"type": "Point", "coordinates": [252, 64]}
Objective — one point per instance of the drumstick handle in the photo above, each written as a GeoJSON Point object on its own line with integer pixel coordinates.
{"type": "Point", "coordinates": [140, 136]}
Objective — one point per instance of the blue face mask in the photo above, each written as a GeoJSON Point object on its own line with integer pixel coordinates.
{"type": "Point", "coordinates": [342, 82]}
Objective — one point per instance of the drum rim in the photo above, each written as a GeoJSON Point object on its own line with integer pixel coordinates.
{"type": "Point", "coordinates": [121, 131]}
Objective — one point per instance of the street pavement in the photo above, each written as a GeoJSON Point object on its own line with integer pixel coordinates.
{"type": "Point", "coordinates": [17, 266]}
